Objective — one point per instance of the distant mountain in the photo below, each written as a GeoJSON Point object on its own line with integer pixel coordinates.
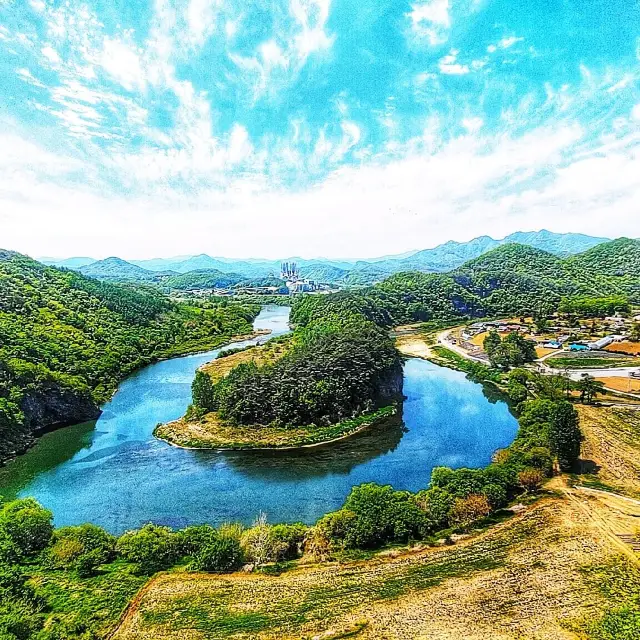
{"type": "Point", "coordinates": [116, 269]}
{"type": "Point", "coordinates": [213, 279]}
{"type": "Point", "coordinates": [443, 258]}
{"type": "Point", "coordinates": [68, 263]}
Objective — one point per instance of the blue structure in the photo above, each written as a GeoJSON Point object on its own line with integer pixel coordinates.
{"type": "Point", "coordinates": [578, 347]}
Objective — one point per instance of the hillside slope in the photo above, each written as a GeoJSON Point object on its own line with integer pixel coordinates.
{"type": "Point", "coordinates": [66, 341]}
{"type": "Point", "coordinates": [510, 279]}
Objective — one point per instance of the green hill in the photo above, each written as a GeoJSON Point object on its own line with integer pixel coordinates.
{"type": "Point", "coordinates": [67, 340]}
{"type": "Point", "coordinates": [510, 279]}
{"type": "Point", "coordinates": [117, 270]}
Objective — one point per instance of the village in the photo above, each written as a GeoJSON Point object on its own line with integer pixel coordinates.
{"type": "Point", "coordinates": [607, 348]}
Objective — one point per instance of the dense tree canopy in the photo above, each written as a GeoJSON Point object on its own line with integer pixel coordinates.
{"type": "Point", "coordinates": [335, 368]}
{"type": "Point", "coordinates": [67, 340]}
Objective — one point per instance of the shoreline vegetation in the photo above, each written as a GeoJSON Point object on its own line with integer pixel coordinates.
{"type": "Point", "coordinates": [211, 433]}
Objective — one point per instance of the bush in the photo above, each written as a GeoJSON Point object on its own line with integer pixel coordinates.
{"type": "Point", "coordinates": [467, 510]}
{"type": "Point", "coordinates": [27, 525]}
{"type": "Point", "coordinates": [290, 537]}
{"type": "Point", "coordinates": [220, 554]}
{"type": "Point", "coordinates": [259, 545]}
{"type": "Point", "coordinates": [382, 515]}
{"type": "Point", "coordinates": [83, 548]}
{"type": "Point", "coordinates": [531, 479]}
{"type": "Point", "coordinates": [436, 504]}
{"type": "Point", "coordinates": [317, 544]}
{"type": "Point", "coordinates": [150, 549]}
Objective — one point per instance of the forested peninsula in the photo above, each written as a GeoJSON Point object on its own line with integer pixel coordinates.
{"type": "Point", "coordinates": [66, 341]}
{"type": "Point", "coordinates": [340, 368]}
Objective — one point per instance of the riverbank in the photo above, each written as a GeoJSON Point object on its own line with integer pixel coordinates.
{"type": "Point", "coordinates": [76, 409]}
{"type": "Point", "coordinates": [211, 433]}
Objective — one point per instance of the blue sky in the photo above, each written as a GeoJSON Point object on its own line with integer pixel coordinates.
{"type": "Point", "coordinates": [344, 128]}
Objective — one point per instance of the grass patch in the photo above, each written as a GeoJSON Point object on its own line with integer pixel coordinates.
{"type": "Point", "coordinates": [213, 433]}
{"type": "Point", "coordinates": [95, 603]}
{"type": "Point", "coordinates": [619, 582]}
{"type": "Point", "coordinates": [592, 363]}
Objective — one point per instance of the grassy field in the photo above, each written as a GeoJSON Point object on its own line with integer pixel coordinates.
{"type": "Point", "coordinates": [542, 574]}
{"type": "Point", "coordinates": [627, 385]}
{"type": "Point", "coordinates": [612, 442]}
{"type": "Point", "coordinates": [567, 362]}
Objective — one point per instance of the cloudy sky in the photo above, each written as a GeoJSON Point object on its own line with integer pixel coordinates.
{"type": "Point", "coordinates": [342, 128]}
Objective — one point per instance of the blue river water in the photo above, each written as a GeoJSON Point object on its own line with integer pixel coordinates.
{"type": "Point", "coordinates": [114, 473]}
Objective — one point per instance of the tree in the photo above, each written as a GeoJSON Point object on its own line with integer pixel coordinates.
{"type": "Point", "coordinates": [565, 435]}
{"type": "Point", "coordinates": [382, 515]}
{"type": "Point", "coordinates": [467, 510]}
{"type": "Point", "coordinates": [220, 554]}
{"type": "Point", "coordinates": [202, 391]}
{"type": "Point", "coordinates": [150, 549]}
{"type": "Point", "coordinates": [589, 388]}
{"type": "Point", "coordinates": [27, 525]}
{"type": "Point", "coordinates": [530, 479]}
{"type": "Point", "coordinates": [634, 333]}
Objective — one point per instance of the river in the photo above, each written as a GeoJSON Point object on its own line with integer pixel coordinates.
{"type": "Point", "coordinates": [113, 472]}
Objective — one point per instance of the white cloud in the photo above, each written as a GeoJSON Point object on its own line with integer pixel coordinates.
{"type": "Point", "coordinates": [449, 66]}
{"type": "Point", "coordinates": [312, 16]}
{"type": "Point", "coordinates": [272, 55]}
{"type": "Point", "coordinates": [123, 63]}
{"type": "Point", "coordinates": [431, 20]}
{"type": "Point", "coordinates": [635, 112]}
{"type": "Point", "coordinates": [472, 124]}
{"type": "Point", "coordinates": [505, 43]}
{"type": "Point", "coordinates": [50, 54]}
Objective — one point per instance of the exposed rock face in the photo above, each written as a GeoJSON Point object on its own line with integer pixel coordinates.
{"type": "Point", "coordinates": [390, 385]}
{"type": "Point", "coordinates": [54, 406]}
{"type": "Point", "coordinates": [46, 409]}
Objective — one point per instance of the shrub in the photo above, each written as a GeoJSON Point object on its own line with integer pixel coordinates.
{"type": "Point", "coordinates": [83, 548]}
{"type": "Point", "coordinates": [291, 539]}
{"type": "Point", "coordinates": [260, 545]}
{"type": "Point", "coordinates": [436, 504]}
{"type": "Point", "coordinates": [317, 544]}
{"type": "Point", "coordinates": [191, 540]}
{"type": "Point", "coordinates": [220, 554]}
{"type": "Point", "coordinates": [27, 525]}
{"type": "Point", "coordinates": [467, 510]}
{"type": "Point", "coordinates": [382, 515]}
{"type": "Point", "coordinates": [335, 525]}
{"type": "Point", "coordinates": [150, 549]}
{"type": "Point", "coordinates": [531, 479]}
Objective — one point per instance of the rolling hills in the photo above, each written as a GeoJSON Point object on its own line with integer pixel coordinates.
{"type": "Point", "coordinates": [67, 340]}
{"type": "Point", "coordinates": [443, 258]}
{"type": "Point", "coordinates": [510, 279]}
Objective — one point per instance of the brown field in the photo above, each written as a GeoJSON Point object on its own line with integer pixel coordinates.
{"type": "Point", "coordinates": [624, 347]}
{"type": "Point", "coordinates": [628, 385]}
{"type": "Point", "coordinates": [263, 354]}
{"type": "Point", "coordinates": [612, 442]}
{"type": "Point", "coordinates": [411, 342]}
{"type": "Point", "coordinates": [531, 577]}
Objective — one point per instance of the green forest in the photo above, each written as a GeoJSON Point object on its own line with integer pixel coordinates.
{"type": "Point", "coordinates": [511, 279]}
{"type": "Point", "coordinates": [334, 369]}
{"type": "Point", "coordinates": [67, 340]}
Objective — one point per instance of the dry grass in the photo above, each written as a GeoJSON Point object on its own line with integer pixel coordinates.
{"type": "Point", "coordinates": [521, 579]}
{"type": "Point", "coordinates": [261, 355]}
{"type": "Point", "coordinates": [627, 385]}
{"type": "Point", "coordinates": [612, 441]}
{"type": "Point", "coordinates": [624, 347]}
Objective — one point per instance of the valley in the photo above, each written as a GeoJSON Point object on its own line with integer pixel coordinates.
{"type": "Point", "coordinates": [496, 497]}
